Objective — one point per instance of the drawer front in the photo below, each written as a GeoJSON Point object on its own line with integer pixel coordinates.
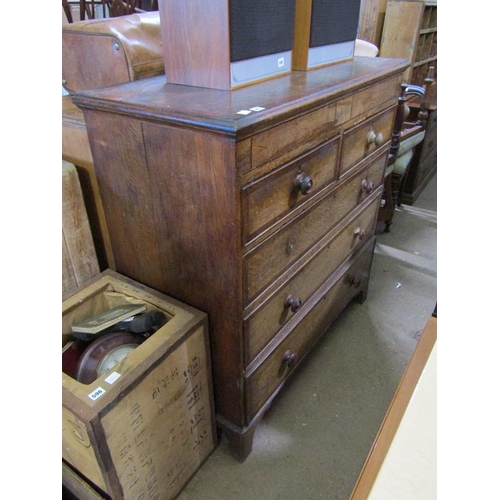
{"type": "Point", "coordinates": [376, 97]}
{"type": "Point", "coordinates": [268, 260]}
{"type": "Point", "coordinates": [362, 140]}
{"type": "Point", "coordinates": [263, 325]}
{"type": "Point", "coordinates": [275, 195]}
{"type": "Point", "coordinates": [298, 135]}
{"type": "Point", "coordinates": [262, 383]}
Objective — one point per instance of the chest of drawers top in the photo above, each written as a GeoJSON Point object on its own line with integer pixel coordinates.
{"type": "Point", "coordinates": [248, 110]}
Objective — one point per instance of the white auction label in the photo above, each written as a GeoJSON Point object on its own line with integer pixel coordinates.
{"type": "Point", "coordinates": [97, 393]}
{"type": "Point", "coordinates": [113, 377]}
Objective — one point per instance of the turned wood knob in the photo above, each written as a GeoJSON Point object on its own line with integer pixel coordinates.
{"type": "Point", "coordinates": [303, 183]}
{"type": "Point", "coordinates": [367, 186]}
{"type": "Point", "coordinates": [360, 232]}
{"type": "Point", "coordinates": [289, 359]}
{"type": "Point", "coordinates": [370, 139]}
{"type": "Point", "coordinates": [356, 282]}
{"type": "Point", "coordinates": [374, 138]}
{"type": "Point", "coordinates": [293, 303]}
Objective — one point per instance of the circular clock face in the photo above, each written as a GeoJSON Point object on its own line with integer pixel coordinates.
{"type": "Point", "coordinates": [105, 353]}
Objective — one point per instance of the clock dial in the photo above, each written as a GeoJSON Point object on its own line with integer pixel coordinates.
{"type": "Point", "coordinates": [114, 357]}
{"type": "Point", "coordinates": [105, 353]}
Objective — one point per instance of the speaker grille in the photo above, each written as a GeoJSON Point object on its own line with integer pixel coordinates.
{"type": "Point", "coordinates": [260, 27]}
{"type": "Point", "coordinates": [334, 21]}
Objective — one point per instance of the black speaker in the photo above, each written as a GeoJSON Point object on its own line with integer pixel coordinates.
{"type": "Point", "coordinates": [325, 32]}
{"type": "Point", "coordinates": [226, 43]}
{"type": "Point", "coordinates": [260, 27]}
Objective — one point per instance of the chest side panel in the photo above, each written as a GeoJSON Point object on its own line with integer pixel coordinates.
{"type": "Point", "coordinates": [192, 177]}
{"type": "Point", "coordinates": [124, 184]}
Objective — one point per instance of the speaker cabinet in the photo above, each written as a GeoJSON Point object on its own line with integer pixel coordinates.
{"type": "Point", "coordinates": [325, 32]}
{"type": "Point", "coordinates": [225, 44]}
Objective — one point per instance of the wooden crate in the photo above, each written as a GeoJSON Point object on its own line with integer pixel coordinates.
{"type": "Point", "coordinates": [143, 429]}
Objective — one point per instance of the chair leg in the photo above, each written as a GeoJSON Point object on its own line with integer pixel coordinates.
{"type": "Point", "coordinates": [396, 187]}
{"type": "Point", "coordinates": [67, 11]}
{"type": "Point", "coordinates": [386, 212]}
{"type": "Point", "coordinates": [392, 189]}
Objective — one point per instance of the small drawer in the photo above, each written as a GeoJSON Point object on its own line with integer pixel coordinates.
{"type": "Point", "coordinates": [263, 325]}
{"type": "Point", "coordinates": [361, 141]}
{"type": "Point", "coordinates": [273, 196]}
{"type": "Point", "coordinates": [265, 379]}
{"type": "Point", "coordinates": [268, 260]}
{"type": "Point", "coordinates": [298, 135]}
{"type": "Point", "coordinates": [377, 97]}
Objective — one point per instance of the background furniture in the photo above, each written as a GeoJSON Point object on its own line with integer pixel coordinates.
{"type": "Point", "coordinates": [410, 31]}
{"type": "Point", "coordinates": [96, 53]}
{"type": "Point", "coordinates": [371, 20]}
{"type": "Point", "coordinates": [408, 134]}
{"type": "Point", "coordinates": [94, 9]}
{"type": "Point", "coordinates": [257, 206]}
{"type": "Point", "coordinates": [423, 165]}
{"type": "Point", "coordinates": [67, 10]}
{"type": "Point", "coordinates": [102, 52]}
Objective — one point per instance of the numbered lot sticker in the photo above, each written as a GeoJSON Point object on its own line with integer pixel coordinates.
{"type": "Point", "coordinates": [97, 393]}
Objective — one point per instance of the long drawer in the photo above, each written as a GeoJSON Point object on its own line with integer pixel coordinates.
{"type": "Point", "coordinates": [264, 323]}
{"type": "Point", "coordinates": [273, 196]}
{"type": "Point", "coordinates": [263, 381]}
{"type": "Point", "coordinates": [285, 141]}
{"type": "Point", "coordinates": [269, 259]}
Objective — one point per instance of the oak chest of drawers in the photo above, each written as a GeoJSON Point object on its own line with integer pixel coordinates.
{"type": "Point", "coordinates": [257, 206]}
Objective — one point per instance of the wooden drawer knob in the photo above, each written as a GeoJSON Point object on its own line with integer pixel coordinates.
{"type": "Point", "coordinates": [356, 282]}
{"type": "Point", "coordinates": [293, 303]}
{"type": "Point", "coordinates": [374, 138]}
{"type": "Point", "coordinates": [290, 359]}
{"type": "Point", "coordinates": [360, 233]}
{"type": "Point", "coordinates": [303, 183]}
{"type": "Point", "coordinates": [367, 186]}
